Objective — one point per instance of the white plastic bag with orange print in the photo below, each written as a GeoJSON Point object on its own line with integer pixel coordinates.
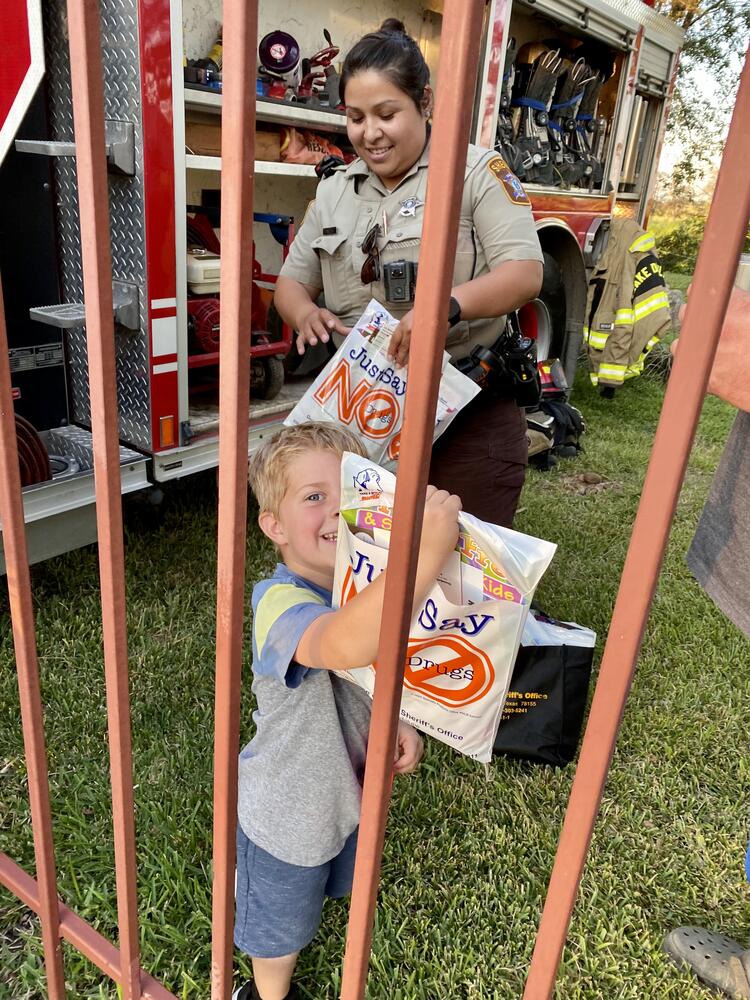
{"type": "Point", "coordinates": [464, 638]}
{"type": "Point", "coordinates": [362, 389]}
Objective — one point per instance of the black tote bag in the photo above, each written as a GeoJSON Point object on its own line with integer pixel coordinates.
{"type": "Point", "coordinates": [544, 710]}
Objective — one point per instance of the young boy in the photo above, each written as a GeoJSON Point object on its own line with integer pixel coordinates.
{"type": "Point", "coordinates": [300, 776]}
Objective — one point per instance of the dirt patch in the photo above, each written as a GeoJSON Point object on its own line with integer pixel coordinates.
{"type": "Point", "coordinates": [584, 483]}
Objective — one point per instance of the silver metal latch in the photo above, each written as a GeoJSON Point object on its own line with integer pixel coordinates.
{"type": "Point", "coordinates": [71, 314]}
{"type": "Point", "coordinates": [120, 145]}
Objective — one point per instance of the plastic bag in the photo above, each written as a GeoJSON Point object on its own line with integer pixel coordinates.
{"type": "Point", "coordinates": [464, 638]}
{"type": "Point", "coordinates": [361, 388]}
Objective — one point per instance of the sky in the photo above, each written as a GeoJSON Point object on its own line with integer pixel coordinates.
{"type": "Point", "coordinates": [672, 150]}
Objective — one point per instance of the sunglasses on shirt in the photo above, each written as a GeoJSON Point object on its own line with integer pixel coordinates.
{"type": "Point", "coordinates": [371, 268]}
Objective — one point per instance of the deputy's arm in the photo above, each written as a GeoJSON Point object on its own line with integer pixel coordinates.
{"type": "Point", "coordinates": [349, 637]}
{"type": "Point", "coordinates": [506, 288]}
{"type": "Point", "coordinates": [299, 285]}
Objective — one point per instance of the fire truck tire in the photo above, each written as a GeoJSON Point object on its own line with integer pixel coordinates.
{"type": "Point", "coordinates": [267, 377]}
{"type": "Point", "coordinates": [543, 318]}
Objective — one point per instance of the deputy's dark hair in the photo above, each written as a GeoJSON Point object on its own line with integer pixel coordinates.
{"type": "Point", "coordinates": [393, 53]}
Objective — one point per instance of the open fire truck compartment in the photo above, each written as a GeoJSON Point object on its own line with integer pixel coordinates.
{"type": "Point", "coordinates": [167, 393]}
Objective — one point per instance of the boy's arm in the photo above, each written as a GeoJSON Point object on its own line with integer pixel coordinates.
{"type": "Point", "coordinates": [349, 636]}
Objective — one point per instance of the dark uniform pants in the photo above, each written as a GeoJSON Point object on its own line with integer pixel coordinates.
{"type": "Point", "coordinates": [482, 457]}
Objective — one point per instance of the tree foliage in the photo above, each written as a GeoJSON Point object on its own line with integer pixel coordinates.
{"type": "Point", "coordinates": [717, 33]}
{"type": "Point", "coordinates": [679, 241]}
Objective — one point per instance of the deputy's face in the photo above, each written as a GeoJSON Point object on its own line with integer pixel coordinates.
{"type": "Point", "coordinates": [384, 125]}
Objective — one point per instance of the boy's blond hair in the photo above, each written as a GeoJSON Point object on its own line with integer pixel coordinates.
{"type": "Point", "coordinates": [267, 469]}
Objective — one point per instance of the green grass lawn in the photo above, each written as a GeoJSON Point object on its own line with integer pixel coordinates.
{"type": "Point", "coordinates": [467, 860]}
{"type": "Point", "coordinates": [677, 281]}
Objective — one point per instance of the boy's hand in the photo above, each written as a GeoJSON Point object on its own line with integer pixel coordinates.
{"type": "Point", "coordinates": [440, 524]}
{"type": "Point", "coordinates": [409, 749]}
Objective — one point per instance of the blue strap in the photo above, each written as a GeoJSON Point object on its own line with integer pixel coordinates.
{"type": "Point", "coordinates": [272, 217]}
{"type": "Point", "coordinates": [567, 104]}
{"type": "Point", "coordinates": [554, 126]}
{"type": "Point", "coordinates": [528, 102]}
{"type": "Point", "coordinates": [584, 118]}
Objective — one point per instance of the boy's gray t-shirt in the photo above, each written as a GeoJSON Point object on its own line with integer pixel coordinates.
{"type": "Point", "coordinates": [300, 777]}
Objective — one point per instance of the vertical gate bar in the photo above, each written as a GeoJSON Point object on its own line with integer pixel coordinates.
{"type": "Point", "coordinates": [24, 642]}
{"type": "Point", "coordinates": [711, 288]}
{"type": "Point", "coordinates": [459, 58]}
{"type": "Point", "coordinates": [88, 116]}
{"type": "Point", "coordinates": [237, 169]}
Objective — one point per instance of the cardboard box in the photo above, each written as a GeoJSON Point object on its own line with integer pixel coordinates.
{"type": "Point", "coordinates": [204, 139]}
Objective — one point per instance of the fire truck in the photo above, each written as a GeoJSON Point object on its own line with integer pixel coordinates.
{"type": "Point", "coordinates": [167, 387]}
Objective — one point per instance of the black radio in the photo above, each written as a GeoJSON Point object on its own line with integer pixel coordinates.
{"type": "Point", "coordinates": [508, 367]}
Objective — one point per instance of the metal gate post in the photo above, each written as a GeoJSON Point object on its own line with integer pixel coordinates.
{"type": "Point", "coordinates": [714, 276]}
{"type": "Point", "coordinates": [237, 168]}
{"type": "Point", "coordinates": [91, 168]}
{"type": "Point", "coordinates": [24, 641]}
{"type": "Point", "coordinates": [459, 58]}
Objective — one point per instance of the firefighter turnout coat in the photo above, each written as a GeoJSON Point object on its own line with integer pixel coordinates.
{"type": "Point", "coordinates": [627, 308]}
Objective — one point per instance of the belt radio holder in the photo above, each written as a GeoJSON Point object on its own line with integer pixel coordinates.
{"type": "Point", "coordinates": [508, 367]}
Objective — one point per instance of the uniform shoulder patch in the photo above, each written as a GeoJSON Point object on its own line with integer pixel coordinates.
{"type": "Point", "coordinates": [511, 184]}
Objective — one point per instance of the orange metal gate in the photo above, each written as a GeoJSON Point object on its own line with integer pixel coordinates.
{"type": "Point", "coordinates": [716, 265]}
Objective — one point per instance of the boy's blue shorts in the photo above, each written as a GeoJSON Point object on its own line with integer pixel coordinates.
{"type": "Point", "coordinates": [279, 905]}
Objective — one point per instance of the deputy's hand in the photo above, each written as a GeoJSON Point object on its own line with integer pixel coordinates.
{"type": "Point", "coordinates": [317, 325]}
{"type": "Point", "coordinates": [409, 749]}
{"type": "Point", "coordinates": [398, 348]}
{"type": "Point", "coordinates": [440, 524]}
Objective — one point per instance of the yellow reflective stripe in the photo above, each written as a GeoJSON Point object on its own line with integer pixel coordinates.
{"type": "Point", "coordinates": [645, 242]}
{"type": "Point", "coordinates": [276, 600]}
{"type": "Point", "coordinates": [654, 302]}
{"type": "Point", "coordinates": [597, 339]}
{"type": "Point", "coordinates": [594, 378]}
{"type": "Point", "coordinates": [637, 367]}
{"type": "Point", "coordinates": [624, 317]}
{"type": "Point", "coordinates": [612, 373]}
{"type": "Point", "coordinates": [585, 335]}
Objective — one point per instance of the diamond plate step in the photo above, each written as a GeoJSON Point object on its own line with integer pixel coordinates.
{"type": "Point", "coordinates": [120, 144]}
{"type": "Point", "coordinates": [69, 315]}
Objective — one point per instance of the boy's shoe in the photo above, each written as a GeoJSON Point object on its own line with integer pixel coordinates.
{"type": "Point", "coordinates": [246, 992]}
{"type": "Point", "coordinates": [249, 992]}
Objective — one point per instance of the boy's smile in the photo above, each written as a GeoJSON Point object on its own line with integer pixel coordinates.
{"type": "Point", "coordinates": [306, 528]}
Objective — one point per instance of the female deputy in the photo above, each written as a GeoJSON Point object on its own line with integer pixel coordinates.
{"type": "Point", "coordinates": [370, 214]}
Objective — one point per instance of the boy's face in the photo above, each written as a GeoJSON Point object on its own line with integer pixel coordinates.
{"type": "Point", "coordinates": [307, 524]}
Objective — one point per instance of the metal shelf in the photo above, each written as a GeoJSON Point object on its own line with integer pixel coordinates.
{"type": "Point", "coordinates": [267, 110]}
{"type": "Point", "coordinates": [261, 166]}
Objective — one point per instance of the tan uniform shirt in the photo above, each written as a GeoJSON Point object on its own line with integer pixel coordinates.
{"type": "Point", "coordinates": [496, 225]}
